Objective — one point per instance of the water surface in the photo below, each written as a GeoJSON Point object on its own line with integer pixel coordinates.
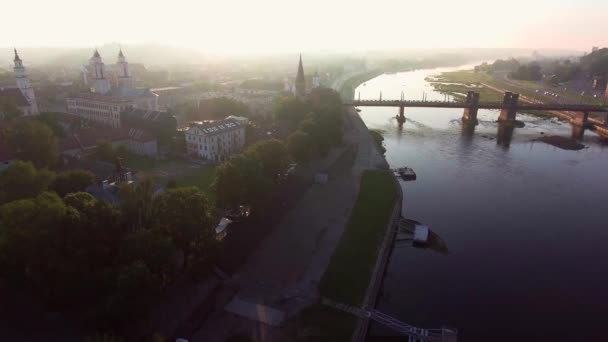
{"type": "Point", "coordinates": [526, 223]}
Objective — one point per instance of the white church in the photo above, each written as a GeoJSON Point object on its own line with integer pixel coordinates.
{"type": "Point", "coordinates": [22, 95]}
{"type": "Point", "coordinates": [111, 93]}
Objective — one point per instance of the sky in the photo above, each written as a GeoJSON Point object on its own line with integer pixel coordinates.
{"type": "Point", "coordinates": [266, 26]}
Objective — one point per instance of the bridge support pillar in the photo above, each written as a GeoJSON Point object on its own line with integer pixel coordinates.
{"type": "Point", "coordinates": [504, 135]}
{"type": "Point", "coordinates": [578, 132]}
{"type": "Point", "coordinates": [401, 116]}
{"type": "Point", "coordinates": [509, 107]}
{"type": "Point", "coordinates": [580, 119]}
{"type": "Point", "coordinates": [470, 111]}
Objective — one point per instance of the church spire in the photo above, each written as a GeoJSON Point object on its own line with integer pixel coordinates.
{"type": "Point", "coordinates": [16, 55]}
{"type": "Point", "coordinates": [300, 80]}
{"type": "Point", "coordinates": [96, 54]}
{"type": "Point", "coordinates": [120, 54]}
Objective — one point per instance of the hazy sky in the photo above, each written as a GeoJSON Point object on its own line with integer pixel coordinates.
{"type": "Point", "coordinates": [245, 26]}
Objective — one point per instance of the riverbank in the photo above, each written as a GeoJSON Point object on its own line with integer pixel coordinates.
{"type": "Point", "coordinates": [458, 83]}
{"type": "Point", "coordinates": [347, 88]}
{"type": "Point", "coordinates": [353, 276]}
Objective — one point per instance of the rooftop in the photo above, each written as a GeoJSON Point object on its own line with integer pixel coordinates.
{"type": "Point", "coordinates": [145, 114]}
{"type": "Point", "coordinates": [14, 95]}
{"type": "Point", "coordinates": [217, 127]}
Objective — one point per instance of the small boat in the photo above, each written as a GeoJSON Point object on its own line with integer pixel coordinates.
{"type": "Point", "coordinates": [406, 173]}
{"type": "Point", "coordinates": [358, 110]}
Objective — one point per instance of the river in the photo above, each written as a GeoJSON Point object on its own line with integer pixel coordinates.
{"type": "Point", "coordinates": [525, 223]}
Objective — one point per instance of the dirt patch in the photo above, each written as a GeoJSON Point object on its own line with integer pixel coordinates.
{"type": "Point", "coordinates": [562, 142]}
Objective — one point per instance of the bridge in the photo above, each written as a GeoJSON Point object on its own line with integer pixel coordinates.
{"type": "Point", "coordinates": [508, 107]}
{"type": "Point", "coordinates": [413, 333]}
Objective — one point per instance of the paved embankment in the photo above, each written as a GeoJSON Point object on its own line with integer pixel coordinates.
{"type": "Point", "coordinates": [284, 271]}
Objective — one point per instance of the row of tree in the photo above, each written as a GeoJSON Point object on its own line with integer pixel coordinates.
{"type": "Point", "coordinates": [81, 255]}
{"type": "Point", "coordinates": [23, 180]}
{"type": "Point", "coordinates": [32, 140]}
{"type": "Point", "coordinates": [249, 177]}
{"type": "Point", "coordinates": [314, 126]}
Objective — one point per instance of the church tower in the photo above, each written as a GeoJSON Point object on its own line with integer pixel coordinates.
{"type": "Point", "coordinates": [300, 81]}
{"type": "Point", "coordinates": [122, 71]}
{"type": "Point", "coordinates": [24, 84]}
{"type": "Point", "coordinates": [101, 82]}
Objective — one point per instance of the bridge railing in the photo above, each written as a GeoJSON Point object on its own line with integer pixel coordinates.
{"type": "Point", "coordinates": [491, 105]}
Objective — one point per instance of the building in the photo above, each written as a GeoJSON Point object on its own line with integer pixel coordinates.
{"type": "Point", "coordinates": [300, 85]}
{"type": "Point", "coordinates": [316, 80]}
{"type": "Point", "coordinates": [599, 83]}
{"type": "Point", "coordinates": [22, 95]}
{"type": "Point", "coordinates": [216, 140]}
{"type": "Point", "coordinates": [104, 103]}
{"type": "Point", "coordinates": [162, 125]}
{"type": "Point", "coordinates": [117, 75]}
{"type": "Point", "coordinates": [595, 48]}
{"type": "Point", "coordinates": [83, 142]}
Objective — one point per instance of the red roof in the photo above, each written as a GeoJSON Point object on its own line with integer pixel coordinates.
{"type": "Point", "coordinates": [14, 95]}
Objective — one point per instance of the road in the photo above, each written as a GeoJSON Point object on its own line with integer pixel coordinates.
{"type": "Point", "coordinates": [283, 273]}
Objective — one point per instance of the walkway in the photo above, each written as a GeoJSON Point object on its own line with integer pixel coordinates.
{"type": "Point", "coordinates": [283, 273]}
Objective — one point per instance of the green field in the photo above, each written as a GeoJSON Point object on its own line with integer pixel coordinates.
{"type": "Point", "coordinates": [466, 80]}
{"type": "Point", "coordinates": [201, 178]}
{"type": "Point", "coordinates": [348, 274]}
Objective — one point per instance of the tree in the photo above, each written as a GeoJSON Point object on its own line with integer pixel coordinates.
{"type": "Point", "coordinates": [530, 72]}
{"type": "Point", "coordinates": [217, 108]}
{"type": "Point", "coordinates": [50, 119]}
{"type": "Point", "coordinates": [298, 145]}
{"type": "Point", "coordinates": [104, 151]}
{"type": "Point", "coordinates": [155, 249]}
{"type": "Point", "coordinates": [28, 227]}
{"type": "Point", "coordinates": [8, 109]}
{"type": "Point", "coordinates": [272, 154]}
{"type": "Point", "coordinates": [137, 204]}
{"type": "Point", "coordinates": [242, 181]}
{"type": "Point", "coordinates": [72, 181]}
{"type": "Point", "coordinates": [289, 111]}
{"type": "Point", "coordinates": [184, 214]}
{"type": "Point", "coordinates": [35, 142]}
{"type": "Point", "coordinates": [22, 180]}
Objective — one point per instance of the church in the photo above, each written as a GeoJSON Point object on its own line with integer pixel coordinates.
{"type": "Point", "coordinates": [111, 93]}
{"type": "Point", "coordinates": [22, 95]}
{"type": "Point", "coordinates": [299, 88]}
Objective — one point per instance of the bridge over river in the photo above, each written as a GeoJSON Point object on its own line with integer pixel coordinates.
{"type": "Point", "coordinates": [508, 108]}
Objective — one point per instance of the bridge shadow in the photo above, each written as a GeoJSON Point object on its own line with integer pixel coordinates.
{"type": "Point", "coordinates": [467, 132]}
{"type": "Point", "coordinates": [504, 134]}
{"type": "Point", "coordinates": [578, 132]}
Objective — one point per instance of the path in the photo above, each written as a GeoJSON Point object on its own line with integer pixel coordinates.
{"type": "Point", "coordinates": [283, 273]}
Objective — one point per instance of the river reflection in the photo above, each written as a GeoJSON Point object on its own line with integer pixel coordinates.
{"type": "Point", "coordinates": [525, 223]}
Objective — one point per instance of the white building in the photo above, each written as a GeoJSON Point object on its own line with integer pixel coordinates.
{"type": "Point", "coordinates": [215, 141]}
{"type": "Point", "coordinates": [23, 95]}
{"type": "Point", "coordinates": [105, 103]}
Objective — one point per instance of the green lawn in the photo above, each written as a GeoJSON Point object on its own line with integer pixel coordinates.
{"type": "Point", "coordinates": [348, 274]}
{"type": "Point", "coordinates": [140, 162]}
{"type": "Point", "coordinates": [201, 178]}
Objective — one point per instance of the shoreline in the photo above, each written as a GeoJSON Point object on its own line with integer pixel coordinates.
{"type": "Point", "coordinates": [382, 259]}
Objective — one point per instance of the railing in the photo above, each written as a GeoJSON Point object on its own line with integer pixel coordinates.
{"type": "Point", "coordinates": [481, 105]}
{"type": "Point", "coordinates": [414, 333]}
